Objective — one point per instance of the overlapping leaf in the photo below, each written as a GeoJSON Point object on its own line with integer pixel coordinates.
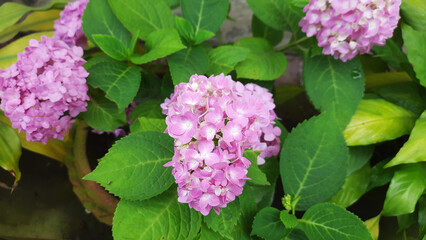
{"type": "Point", "coordinates": [10, 151]}
{"type": "Point", "coordinates": [161, 217]}
{"type": "Point", "coordinates": [416, 51]}
{"type": "Point", "coordinates": [133, 168]}
{"type": "Point", "coordinates": [313, 162]}
{"type": "Point", "coordinates": [187, 62]}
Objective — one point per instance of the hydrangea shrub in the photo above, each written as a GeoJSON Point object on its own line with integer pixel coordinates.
{"type": "Point", "coordinates": [200, 127]}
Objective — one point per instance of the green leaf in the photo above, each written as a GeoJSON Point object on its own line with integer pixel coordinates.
{"type": "Point", "coordinates": [405, 221]}
{"type": "Point", "coordinates": [133, 167]}
{"type": "Point", "coordinates": [160, 43]}
{"type": "Point", "coordinates": [267, 224]}
{"type": "Point", "coordinates": [377, 120]}
{"type": "Point", "coordinates": [262, 62]}
{"type": "Point", "coordinates": [102, 114]}
{"type": "Point", "coordinates": [36, 21]}
{"type": "Point", "coordinates": [143, 124]}
{"type": "Point", "coordinates": [380, 175]}
{"type": "Point", "coordinates": [262, 30]}
{"type": "Point", "coordinates": [408, 95]}
{"type": "Point", "coordinates": [289, 220]}
{"type": "Point", "coordinates": [422, 215]}
{"type": "Point", "coordinates": [10, 151]}
{"type": "Point", "coordinates": [97, 59]}
{"type": "Point", "coordinates": [161, 217]}
{"type": "Point", "coordinates": [414, 13]}
{"type": "Point", "coordinates": [334, 85]}
{"type": "Point", "coordinates": [208, 234]}
{"type": "Point", "coordinates": [203, 35]}
{"type": "Point", "coordinates": [187, 62]}
{"type": "Point", "coordinates": [384, 78]}
{"type": "Point", "coordinates": [277, 14]}
{"type": "Point", "coordinates": [119, 81]}
{"type": "Point", "coordinates": [185, 29]}
{"type": "Point", "coordinates": [146, 16]}
{"type": "Point", "coordinates": [416, 51]}
{"type": "Point", "coordinates": [254, 173]}
{"type": "Point", "coordinates": [11, 12]}
{"type": "Point", "coordinates": [358, 157]}
{"type": "Point", "coordinates": [414, 149]}
{"type": "Point", "coordinates": [391, 53]}
{"type": "Point", "coordinates": [313, 161]}
{"type": "Point", "coordinates": [286, 92]}
{"type": "Point", "coordinates": [406, 187]}
{"type": "Point", "coordinates": [223, 59]}
{"type": "Point", "coordinates": [355, 186]}
{"type": "Point", "coordinates": [205, 14]}
{"type": "Point", "coordinates": [111, 46]}
{"type": "Point", "coordinates": [99, 19]}
{"type": "Point", "coordinates": [326, 221]}
{"type": "Point", "coordinates": [172, 3]}
{"type": "Point", "coordinates": [150, 109]}
{"type": "Point", "coordinates": [226, 220]}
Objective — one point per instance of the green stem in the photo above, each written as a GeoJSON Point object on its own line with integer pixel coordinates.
{"type": "Point", "coordinates": [292, 44]}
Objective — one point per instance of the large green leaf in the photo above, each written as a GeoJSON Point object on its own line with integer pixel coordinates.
{"type": "Point", "coordinates": [11, 12]}
{"type": "Point", "coordinates": [160, 43]}
{"type": "Point", "coordinates": [133, 167]}
{"type": "Point", "coordinates": [98, 18]}
{"type": "Point", "coordinates": [205, 14]}
{"type": "Point", "coordinates": [334, 85]}
{"type": "Point", "coordinates": [326, 221]}
{"type": "Point", "coordinates": [414, 13]}
{"type": "Point", "coordinates": [267, 224]}
{"type": "Point", "coordinates": [262, 62]}
{"type": "Point", "coordinates": [355, 186]}
{"type": "Point", "coordinates": [187, 62]}
{"type": "Point", "coordinates": [148, 124]}
{"type": "Point", "coordinates": [313, 162]}
{"type": "Point", "coordinates": [408, 95]}
{"type": "Point", "coordinates": [406, 187]}
{"type": "Point", "coordinates": [207, 234]}
{"type": "Point", "coordinates": [226, 220]}
{"type": "Point", "coordinates": [102, 114]}
{"type": "Point", "coordinates": [254, 173]}
{"type": "Point", "coordinates": [10, 151]}
{"type": "Point", "coordinates": [223, 59]}
{"type": "Point", "coordinates": [119, 81]}
{"type": "Point", "coordinates": [377, 120]}
{"type": "Point", "coordinates": [161, 217]}
{"type": "Point", "coordinates": [416, 51]}
{"type": "Point", "coordinates": [146, 16]}
{"type": "Point", "coordinates": [150, 109]}
{"type": "Point", "coordinates": [262, 30]}
{"type": "Point", "coordinates": [414, 150]}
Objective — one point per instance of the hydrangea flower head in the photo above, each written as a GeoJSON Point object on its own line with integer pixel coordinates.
{"type": "Point", "coordinates": [213, 120]}
{"type": "Point", "coordinates": [345, 28]}
{"type": "Point", "coordinates": [68, 27]}
{"type": "Point", "coordinates": [45, 89]}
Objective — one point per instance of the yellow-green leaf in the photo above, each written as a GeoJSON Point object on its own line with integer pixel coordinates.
{"type": "Point", "coordinates": [373, 226]}
{"type": "Point", "coordinates": [10, 13]}
{"type": "Point", "coordinates": [414, 150]}
{"type": "Point", "coordinates": [385, 78]}
{"type": "Point", "coordinates": [36, 21]}
{"type": "Point", "coordinates": [377, 120]}
{"type": "Point", "coordinates": [54, 149]}
{"type": "Point", "coordinates": [8, 54]}
{"type": "Point", "coordinates": [10, 151]}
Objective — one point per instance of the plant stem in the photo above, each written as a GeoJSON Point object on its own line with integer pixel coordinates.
{"type": "Point", "coordinates": [292, 44]}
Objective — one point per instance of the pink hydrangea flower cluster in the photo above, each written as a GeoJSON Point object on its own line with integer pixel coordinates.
{"type": "Point", "coordinates": [45, 89]}
{"type": "Point", "coordinates": [68, 27]}
{"type": "Point", "coordinates": [213, 120]}
{"type": "Point", "coordinates": [345, 28]}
